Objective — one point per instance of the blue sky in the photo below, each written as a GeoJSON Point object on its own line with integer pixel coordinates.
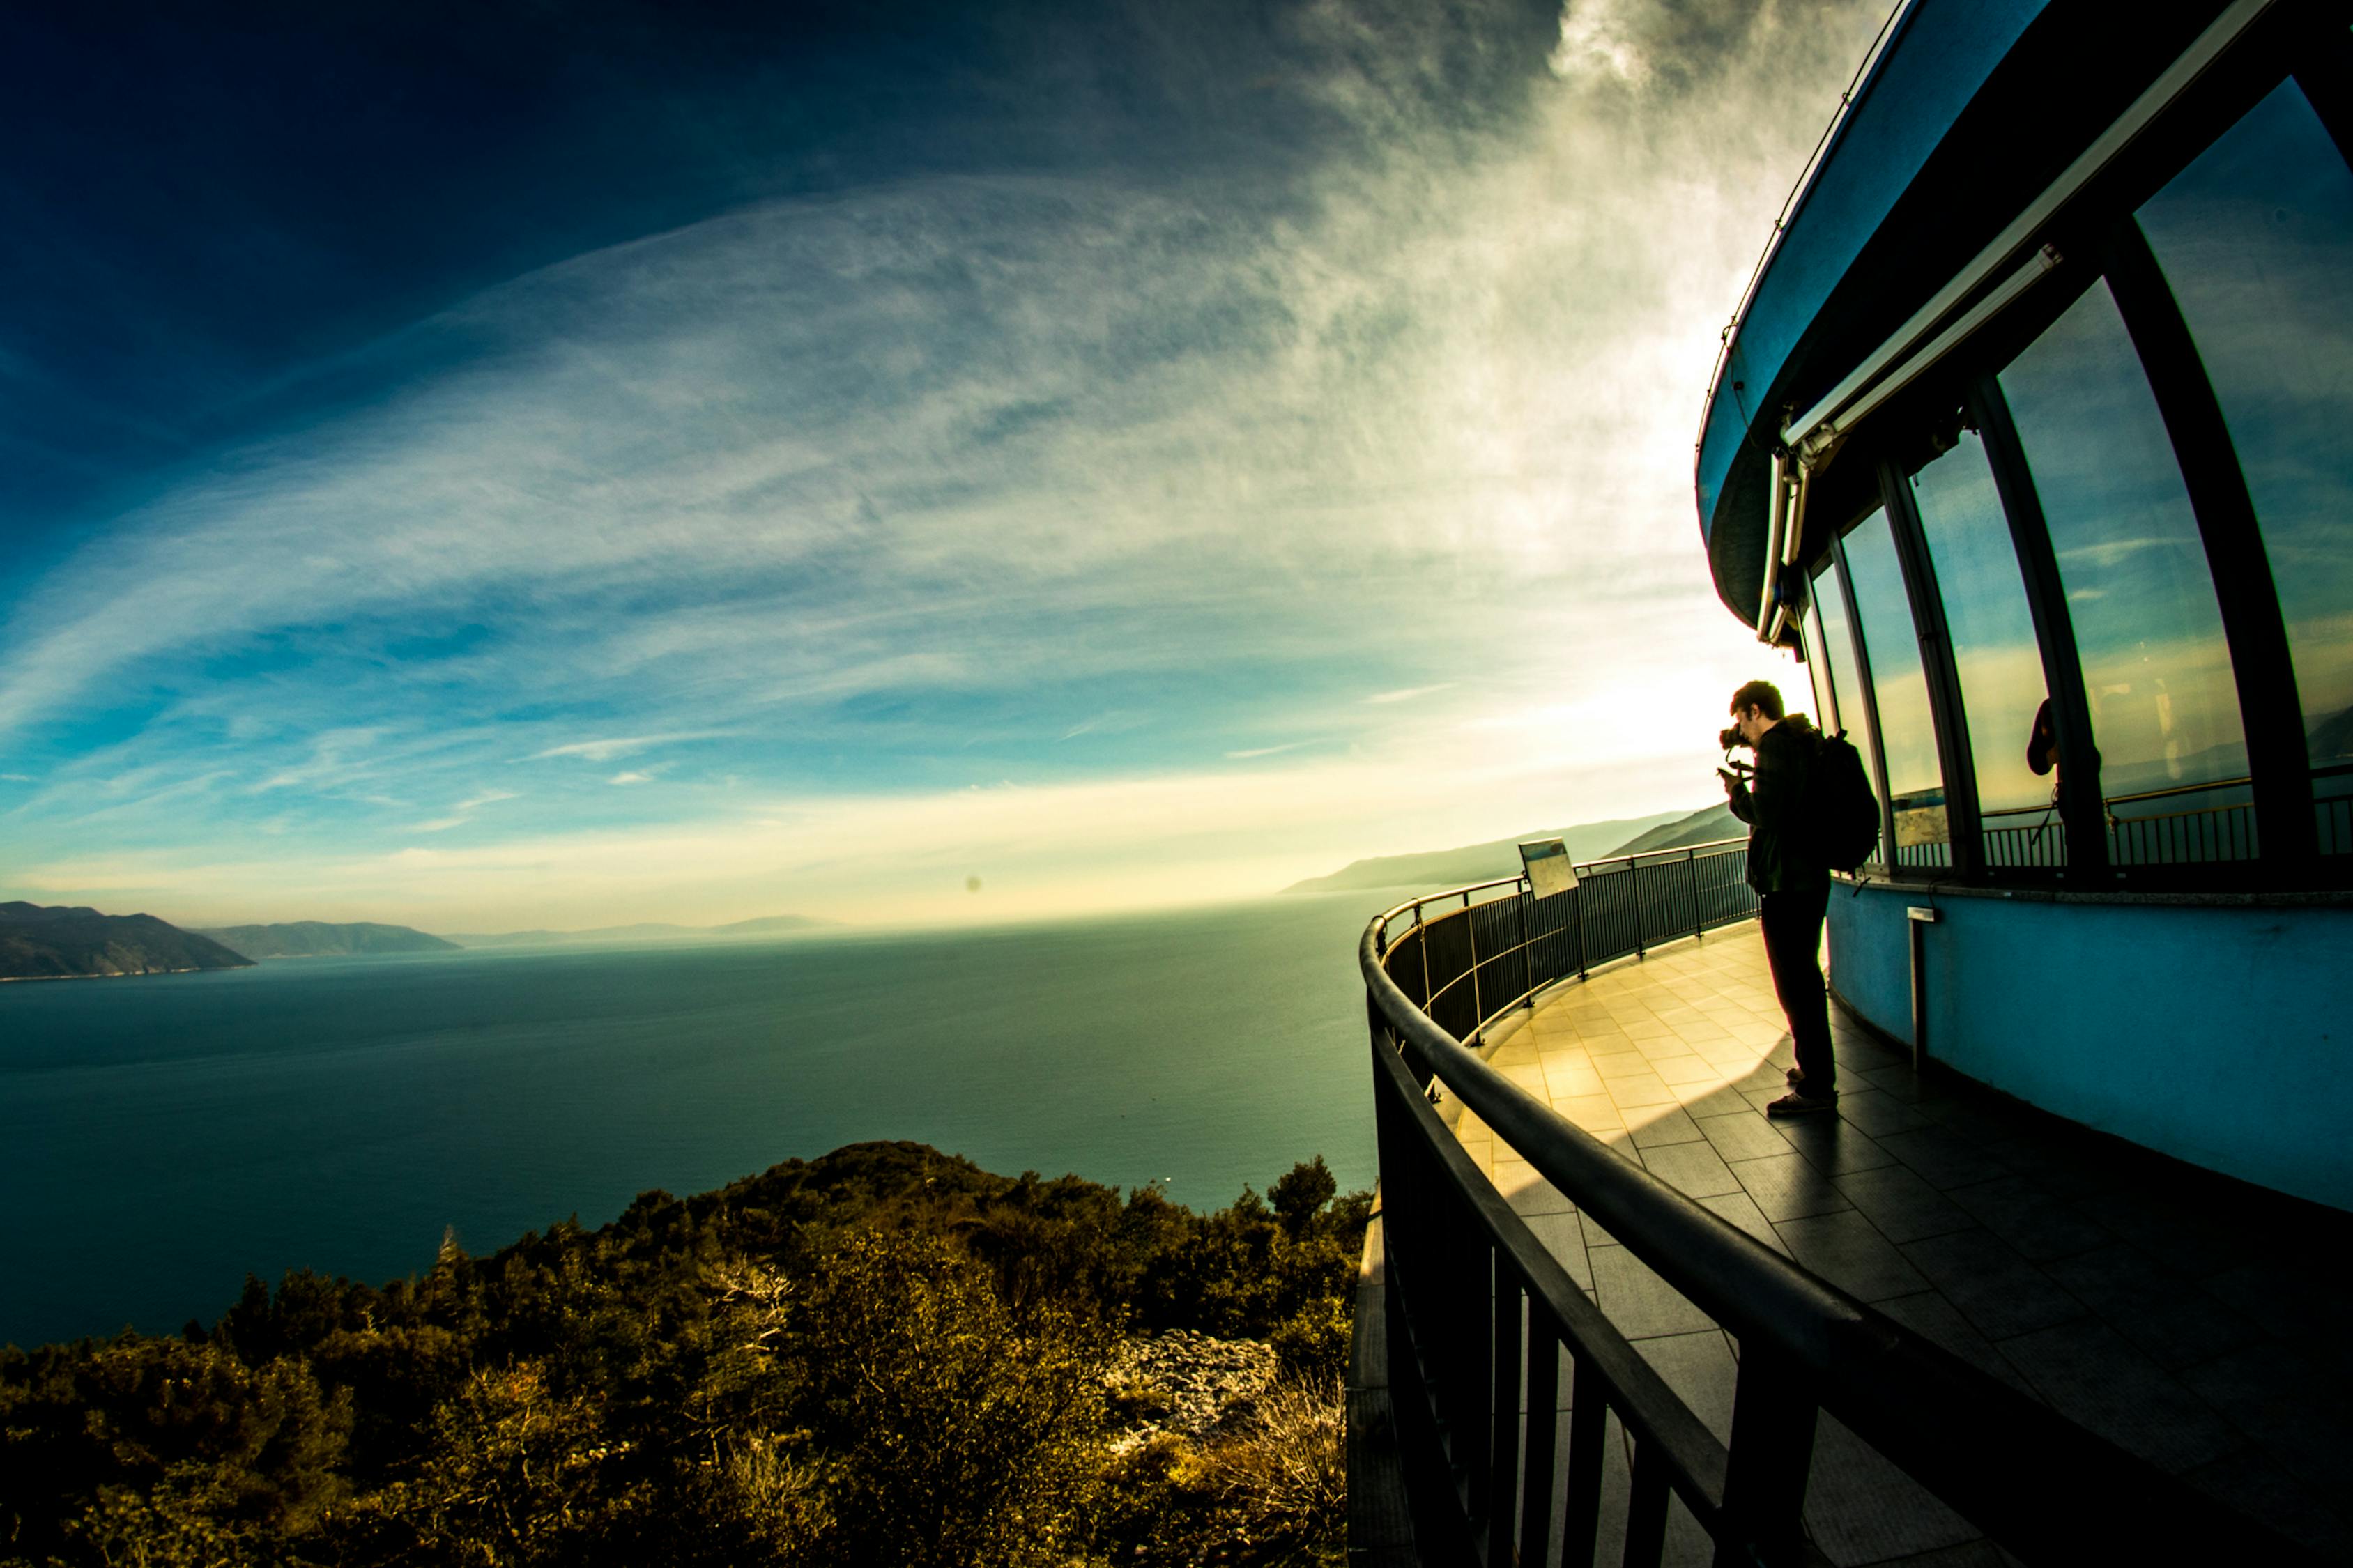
{"type": "Point", "coordinates": [692, 464]}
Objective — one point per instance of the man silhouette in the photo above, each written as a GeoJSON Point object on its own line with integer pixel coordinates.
{"type": "Point", "coordinates": [1793, 884]}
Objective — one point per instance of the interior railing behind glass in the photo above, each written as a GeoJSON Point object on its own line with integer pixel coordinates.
{"type": "Point", "coordinates": [1483, 1321]}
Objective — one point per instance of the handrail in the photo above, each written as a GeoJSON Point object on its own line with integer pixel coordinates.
{"type": "Point", "coordinates": [2044, 1487]}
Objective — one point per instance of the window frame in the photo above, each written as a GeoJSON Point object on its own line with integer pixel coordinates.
{"type": "Point", "coordinates": [2098, 238]}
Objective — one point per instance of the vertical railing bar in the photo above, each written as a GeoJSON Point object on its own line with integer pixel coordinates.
{"type": "Point", "coordinates": [1589, 1433]}
{"type": "Point", "coordinates": [1504, 1410]}
{"type": "Point", "coordinates": [1634, 870]}
{"type": "Point", "coordinates": [1542, 1400]}
{"type": "Point", "coordinates": [1471, 930]}
{"type": "Point", "coordinates": [1699, 920]}
{"type": "Point", "coordinates": [1422, 940]}
{"type": "Point", "coordinates": [1646, 1511]}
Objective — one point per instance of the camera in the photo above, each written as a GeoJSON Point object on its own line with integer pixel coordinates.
{"type": "Point", "coordinates": [1729, 738]}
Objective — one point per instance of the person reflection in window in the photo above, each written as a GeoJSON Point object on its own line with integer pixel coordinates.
{"type": "Point", "coordinates": [2043, 756]}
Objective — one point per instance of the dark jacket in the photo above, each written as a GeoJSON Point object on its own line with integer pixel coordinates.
{"type": "Point", "coordinates": [1779, 858]}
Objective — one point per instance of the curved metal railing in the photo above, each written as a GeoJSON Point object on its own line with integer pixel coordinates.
{"type": "Point", "coordinates": [1478, 1310]}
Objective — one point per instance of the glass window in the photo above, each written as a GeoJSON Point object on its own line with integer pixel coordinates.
{"type": "Point", "coordinates": [1915, 784]}
{"type": "Point", "coordinates": [1994, 649]}
{"type": "Point", "coordinates": [1841, 669]}
{"type": "Point", "coordinates": [1825, 699]}
{"type": "Point", "coordinates": [2256, 239]}
{"type": "Point", "coordinates": [2165, 708]}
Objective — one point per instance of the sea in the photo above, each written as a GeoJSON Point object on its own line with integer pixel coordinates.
{"type": "Point", "coordinates": [163, 1136]}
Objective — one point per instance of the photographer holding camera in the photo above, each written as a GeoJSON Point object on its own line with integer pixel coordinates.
{"type": "Point", "coordinates": [1792, 883]}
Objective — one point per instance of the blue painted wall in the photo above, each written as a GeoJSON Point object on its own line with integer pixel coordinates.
{"type": "Point", "coordinates": [2216, 1034]}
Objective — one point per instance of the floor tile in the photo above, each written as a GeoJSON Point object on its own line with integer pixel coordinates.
{"type": "Point", "coordinates": [1785, 1187]}
{"type": "Point", "coordinates": [1631, 1093]}
{"type": "Point", "coordinates": [1742, 1136]}
{"type": "Point", "coordinates": [1902, 1205]}
{"type": "Point", "coordinates": [2090, 1374]}
{"type": "Point", "coordinates": [1741, 1210]}
{"type": "Point", "coordinates": [2028, 1218]}
{"type": "Point", "coordinates": [1700, 1368]}
{"type": "Point", "coordinates": [2297, 1413]}
{"type": "Point", "coordinates": [1942, 1157]}
{"type": "Point", "coordinates": [2252, 1482]}
{"type": "Point", "coordinates": [1860, 1509]}
{"type": "Point", "coordinates": [1565, 1239]}
{"type": "Point", "coordinates": [2000, 1291]}
{"type": "Point", "coordinates": [1877, 1113]}
{"type": "Point", "coordinates": [1831, 1143]}
{"type": "Point", "coordinates": [1938, 1320]}
{"type": "Point", "coordinates": [1694, 1169]}
{"type": "Point", "coordinates": [1527, 1191]}
{"type": "Point", "coordinates": [1638, 1300]}
{"type": "Point", "coordinates": [1845, 1249]}
{"type": "Point", "coordinates": [1668, 1127]}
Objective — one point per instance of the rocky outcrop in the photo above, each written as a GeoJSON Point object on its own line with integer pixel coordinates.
{"type": "Point", "coordinates": [1183, 1383]}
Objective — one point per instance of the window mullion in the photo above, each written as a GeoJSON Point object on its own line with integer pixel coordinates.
{"type": "Point", "coordinates": [1961, 818]}
{"type": "Point", "coordinates": [1867, 698]}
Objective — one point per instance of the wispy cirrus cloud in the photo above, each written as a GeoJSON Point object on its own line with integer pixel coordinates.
{"type": "Point", "coordinates": [867, 497]}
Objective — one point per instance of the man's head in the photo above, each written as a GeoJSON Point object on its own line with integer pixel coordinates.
{"type": "Point", "coordinates": [1756, 708]}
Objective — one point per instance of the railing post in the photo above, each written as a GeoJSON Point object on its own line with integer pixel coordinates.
{"type": "Point", "coordinates": [1576, 916]}
{"type": "Point", "coordinates": [1699, 918]}
{"type": "Point", "coordinates": [1634, 870]}
{"type": "Point", "coordinates": [1522, 899]}
{"type": "Point", "coordinates": [1771, 1454]}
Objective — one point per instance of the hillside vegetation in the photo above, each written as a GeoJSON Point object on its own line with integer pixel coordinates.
{"type": "Point", "coordinates": [883, 1356]}
{"type": "Point", "coordinates": [319, 939]}
{"type": "Point", "coordinates": [1436, 868]}
{"type": "Point", "coordinates": [56, 941]}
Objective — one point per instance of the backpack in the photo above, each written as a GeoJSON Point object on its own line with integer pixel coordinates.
{"type": "Point", "coordinates": [1842, 814]}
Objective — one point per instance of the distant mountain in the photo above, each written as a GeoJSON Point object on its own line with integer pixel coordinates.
{"type": "Point", "coordinates": [314, 939]}
{"type": "Point", "coordinates": [1704, 825]}
{"type": "Point", "coordinates": [56, 943]}
{"type": "Point", "coordinates": [1477, 862]}
{"type": "Point", "coordinates": [735, 930]}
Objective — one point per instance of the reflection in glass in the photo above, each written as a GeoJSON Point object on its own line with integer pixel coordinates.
{"type": "Point", "coordinates": [2164, 710]}
{"type": "Point", "coordinates": [1825, 700]}
{"type": "Point", "coordinates": [1994, 649]}
{"type": "Point", "coordinates": [2256, 239]}
{"type": "Point", "coordinates": [1839, 665]}
{"type": "Point", "coordinates": [1915, 784]}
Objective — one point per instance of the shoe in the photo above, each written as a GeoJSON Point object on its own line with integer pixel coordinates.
{"type": "Point", "coordinates": [1796, 1104]}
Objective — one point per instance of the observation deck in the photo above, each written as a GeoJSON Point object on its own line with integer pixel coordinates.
{"type": "Point", "coordinates": [1939, 1326]}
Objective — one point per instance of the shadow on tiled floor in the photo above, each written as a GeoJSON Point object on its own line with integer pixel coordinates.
{"type": "Point", "coordinates": [2187, 1317]}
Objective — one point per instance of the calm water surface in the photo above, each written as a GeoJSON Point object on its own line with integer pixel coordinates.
{"type": "Point", "coordinates": [161, 1137]}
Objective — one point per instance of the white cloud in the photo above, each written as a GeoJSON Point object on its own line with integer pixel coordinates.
{"type": "Point", "coordinates": [895, 462]}
{"type": "Point", "coordinates": [605, 751]}
{"type": "Point", "coordinates": [1407, 694]}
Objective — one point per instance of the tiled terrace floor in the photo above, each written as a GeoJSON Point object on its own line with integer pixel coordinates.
{"type": "Point", "coordinates": [2189, 1319]}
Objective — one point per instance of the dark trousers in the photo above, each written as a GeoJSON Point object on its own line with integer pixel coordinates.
{"type": "Point", "coordinates": [1793, 945]}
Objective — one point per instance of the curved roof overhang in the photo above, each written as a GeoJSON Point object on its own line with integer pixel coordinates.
{"type": "Point", "coordinates": [1972, 108]}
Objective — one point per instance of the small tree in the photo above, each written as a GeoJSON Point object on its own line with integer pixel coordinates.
{"type": "Point", "coordinates": [957, 1433]}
